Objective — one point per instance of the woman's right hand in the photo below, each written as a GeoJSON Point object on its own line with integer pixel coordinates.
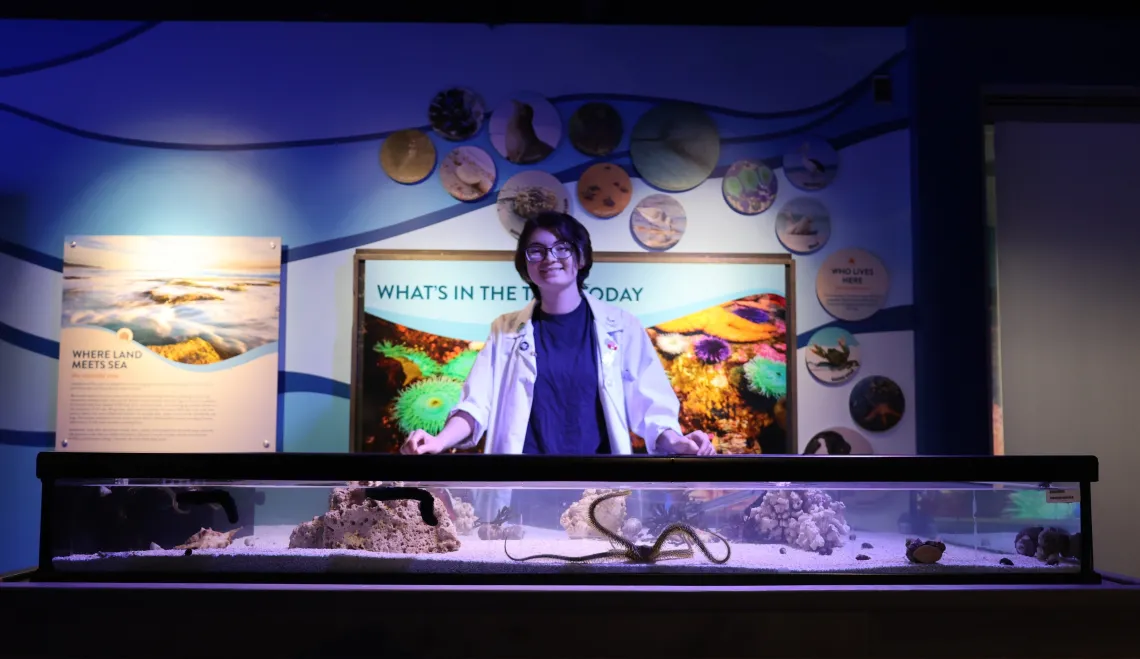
{"type": "Point", "coordinates": [420, 442]}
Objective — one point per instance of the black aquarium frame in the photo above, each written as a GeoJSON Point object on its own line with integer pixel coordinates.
{"type": "Point", "coordinates": [56, 468]}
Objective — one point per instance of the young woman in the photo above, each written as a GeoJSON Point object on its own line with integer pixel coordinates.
{"type": "Point", "coordinates": [568, 374]}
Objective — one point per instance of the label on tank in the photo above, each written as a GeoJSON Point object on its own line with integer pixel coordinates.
{"type": "Point", "coordinates": [1063, 496]}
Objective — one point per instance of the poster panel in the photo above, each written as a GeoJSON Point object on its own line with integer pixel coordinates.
{"type": "Point", "coordinates": [722, 326]}
{"type": "Point", "coordinates": [169, 344]}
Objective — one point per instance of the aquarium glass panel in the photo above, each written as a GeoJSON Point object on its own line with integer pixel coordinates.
{"type": "Point", "coordinates": [127, 526]}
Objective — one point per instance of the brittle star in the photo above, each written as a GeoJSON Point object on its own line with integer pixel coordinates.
{"type": "Point", "coordinates": [637, 553]}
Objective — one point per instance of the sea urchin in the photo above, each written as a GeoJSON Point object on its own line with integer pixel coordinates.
{"type": "Point", "coordinates": [712, 350]}
{"type": "Point", "coordinates": [752, 314]}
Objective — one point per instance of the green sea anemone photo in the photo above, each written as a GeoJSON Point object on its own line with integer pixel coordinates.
{"type": "Point", "coordinates": [427, 366]}
{"type": "Point", "coordinates": [766, 377]}
{"type": "Point", "coordinates": [459, 366]}
{"type": "Point", "coordinates": [425, 404]}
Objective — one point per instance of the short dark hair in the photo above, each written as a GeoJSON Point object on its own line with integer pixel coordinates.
{"type": "Point", "coordinates": [565, 227]}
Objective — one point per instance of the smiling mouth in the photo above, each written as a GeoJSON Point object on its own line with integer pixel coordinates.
{"type": "Point", "coordinates": [547, 271]}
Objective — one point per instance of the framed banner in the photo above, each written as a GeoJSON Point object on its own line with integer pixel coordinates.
{"type": "Point", "coordinates": [169, 344]}
{"type": "Point", "coordinates": [723, 326]}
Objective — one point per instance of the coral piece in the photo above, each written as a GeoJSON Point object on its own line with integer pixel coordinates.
{"type": "Point", "coordinates": [209, 539]}
{"type": "Point", "coordinates": [719, 321]}
{"type": "Point", "coordinates": [356, 520]}
{"type": "Point", "coordinates": [497, 528]}
{"type": "Point", "coordinates": [806, 519]}
{"type": "Point", "coordinates": [464, 516]}
{"type": "Point", "coordinates": [611, 514]}
{"type": "Point", "coordinates": [1048, 544]}
{"type": "Point", "coordinates": [629, 551]}
{"type": "Point", "coordinates": [929, 551]}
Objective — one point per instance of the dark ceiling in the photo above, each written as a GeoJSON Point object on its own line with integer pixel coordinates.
{"type": "Point", "coordinates": [493, 12]}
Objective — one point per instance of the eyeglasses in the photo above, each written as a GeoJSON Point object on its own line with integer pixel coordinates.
{"type": "Point", "coordinates": [536, 253]}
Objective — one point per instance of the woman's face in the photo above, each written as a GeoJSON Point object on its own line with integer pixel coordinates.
{"type": "Point", "coordinates": [551, 263]}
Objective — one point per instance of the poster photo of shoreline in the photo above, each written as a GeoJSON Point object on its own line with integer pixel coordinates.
{"type": "Point", "coordinates": [169, 343]}
{"type": "Point", "coordinates": [724, 351]}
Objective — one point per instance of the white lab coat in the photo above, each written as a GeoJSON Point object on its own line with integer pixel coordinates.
{"type": "Point", "coordinates": [636, 393]}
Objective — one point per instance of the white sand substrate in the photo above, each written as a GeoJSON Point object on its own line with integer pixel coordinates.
{"type": "Point", "coordinates": [267, 552]}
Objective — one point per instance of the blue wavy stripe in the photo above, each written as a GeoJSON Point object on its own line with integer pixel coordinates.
{"type": "Point", "coordinates": [841, 99]}
{"type": "Point", "coordinates": [34, 439]}
{"type": "Point", "coordinates": [71, 58]}
{"type": "Point", "coordinates": [289, 382]}
{"type": "Point", "coordinates": [29, 341]}
{"type": "Point", "coordinates": [893, 319]}
{"type": "Point", "coordinates": [344, 243]}
{"type": "Point", "coordinates": [18, 251]}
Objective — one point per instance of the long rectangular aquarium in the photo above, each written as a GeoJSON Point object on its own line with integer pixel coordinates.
{"type": "Point", "coordinates": [486, 519]}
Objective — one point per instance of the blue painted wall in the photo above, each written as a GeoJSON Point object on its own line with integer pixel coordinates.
{"type": "Point", "coordinates": [952, 340]}
{"type": "Point", "coordinates": [274, 129]}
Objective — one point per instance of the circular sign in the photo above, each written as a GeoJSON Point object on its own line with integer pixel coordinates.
{"type": "Point", "coordinates": [832, 355]}
{"type": "Point", "coordinates": [456, 114]}
{"type": "Point", "coordinates": [852, 284]}
{"type": "Point", "coordinates": [877, 403]}
{"type": "Point", "coordinates": [838, 441]}
{"type": "Point", "coordinates": [528, 194]}
{"type": "Point", "coordinates": [408, 156]}
{"type": "Point", "coordinates": [658, 222]}
{"type": "Point", "coordinates": [749, 187]}
{"type": "Point", "coordinates": [675, 146]}
{"type": "Point", "coordinates": [467, 173]}
{"type": "Point", "coordinates": [803, 225]}
{"type": "Point", "coordinates": [526, 128]}
{"type": "Point", "coordinates": [811, 165]}
{"type": "Point", "coordinates": [595, 129]}
{"type": "Point", "coordinates": [604, 190]}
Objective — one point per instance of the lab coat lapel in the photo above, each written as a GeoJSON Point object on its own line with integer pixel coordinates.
{"type": "Point", "coordinates": [611, 355]}
{"type": "Point", "coordinates": [607, 324]}
{"type": "Point", "coordinates": [521, 344]}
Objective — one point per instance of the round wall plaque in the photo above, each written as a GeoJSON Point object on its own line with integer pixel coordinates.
{"type": "Point", "coordinates": [852, 284]}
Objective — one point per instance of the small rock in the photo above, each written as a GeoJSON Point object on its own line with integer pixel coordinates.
{"type": "Point", "coordinates": [188, 551]}
{"type": "Point", "coordinates": [852, 536]}
{"type": "Point", "coordinates": [1005, 561]}
{"type": "Point", "coordinates": [824, 551]}
{"type": "Point", "coordinates": [862, 557]}
{"type": "Point", "coordinates": [929, 551]}
{"type": "Point", "coordinates": [783, 550]}
{"type": "Point", "coordinates": [249, 541]}
{"type": "Point", "coordinates": [867, 545]}
{"type": "Point", "coordinates": [154, 546]}
{"type": "Point", "coordinates": [1053, 559]}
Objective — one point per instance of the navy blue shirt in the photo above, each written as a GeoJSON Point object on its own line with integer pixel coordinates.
{"type": "Point", "coordinates": [567, 416]}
